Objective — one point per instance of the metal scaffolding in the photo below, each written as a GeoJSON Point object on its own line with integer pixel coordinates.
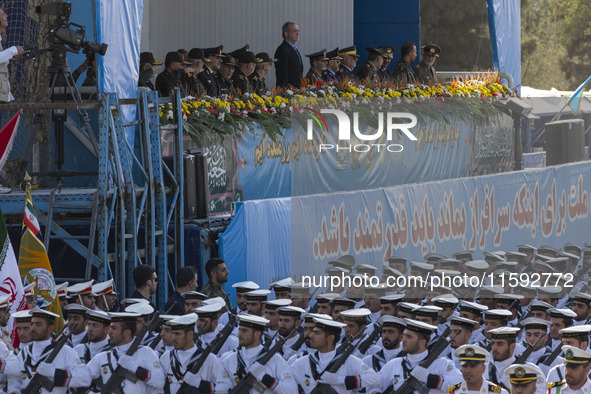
{"type": "Point", "coordinates": [137, 211]}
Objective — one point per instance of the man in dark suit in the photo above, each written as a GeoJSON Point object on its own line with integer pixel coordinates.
{"type": "Point", "coordinates": [289, 67]}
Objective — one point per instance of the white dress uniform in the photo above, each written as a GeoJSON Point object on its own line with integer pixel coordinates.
{"type": "Point", "coordinates": [564, 389]}
{"type": "Point", "coordinates": [105, 363]}
{"type": "Point", "coordinates": [87, 351]}
{"type": "Point", "coordinates": [288, 352]}
{"type": "Point", "coordinates": [498, 367]}
{"type": "Point", "coordinates": [397, 371]}
{"type": "Point", "coordinates": [230, 344]}
{"type": "Point", "coordinates": [237, 364]}
{"type": "Point", "coordinates": [377, 360]}
{"type": "Point", "coordinates": [21, 368]}
{"type": "Point", "coordinates": [175, 364]}
{"type": "Point", "coordinates": [486, 387]}
{"type": "Point", "coordinates": [353, 367]}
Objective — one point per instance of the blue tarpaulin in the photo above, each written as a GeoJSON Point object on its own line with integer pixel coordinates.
{"type": "Point", "coordinates": [504, 24]}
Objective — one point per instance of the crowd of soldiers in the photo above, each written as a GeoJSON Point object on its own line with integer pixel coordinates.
{"type": "Point", "coordinates": [215, 73]}
{"type": "Point", "coordinates": [524, 337]}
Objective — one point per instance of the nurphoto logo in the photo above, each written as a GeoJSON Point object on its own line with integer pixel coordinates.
{"type": "Point", "coordinates": [344, 131]}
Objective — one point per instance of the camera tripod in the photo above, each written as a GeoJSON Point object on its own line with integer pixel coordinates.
{"type": "Point", "coordinates": [59, 71]}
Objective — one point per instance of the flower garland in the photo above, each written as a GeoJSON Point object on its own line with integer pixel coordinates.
{"type": "Point", "coordinates": [207, 117]}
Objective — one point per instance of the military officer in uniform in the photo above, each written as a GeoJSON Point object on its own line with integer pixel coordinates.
{"type": "Point", "coordinates": [460, 329]}
{"type": "Point", "coordinates": [357, 321]}
{"type": "Point", "coordinates": [263, 67]}
{"type": "Point", "coordinates": [170, 77]}
{"type": "Point", "coordinates": [310, 370]}
{"type": "Point", "coordinates": [142, 365]}
{"type": "Point", "coordinates": [96, 331]}
{"type": "Point", "coordinates": [576, 373]}
{"type": "Point", "coordinates": [247, 62]}
{"type": "Point", "coordinates": [472, 359]}
{"type": "Point", "coordinates": [4, 317]}
{"type": "Point", "coordinates": [523, 378]}
{"type": "Point", "coordinates": [145, 311]}
{"type": "Point", "coordinates": [368, 72]}
{"type": "Point", "coordinates": [148, 67]}
{"type": "Point", "coordinates": [193, 299]}
{"type": "Point", "coordinates": [22, 321]}
{"type": "Point", "coordinates": [31, 360]}
{"type": "Point", "coordinates": [192, 86]}
{"type": "Point", "coordinates": [76, 323]}
{"type": "Point", "coordinates": [308, 327]}
{"type": "Point", "coordinates": [576, 336]}
{"type": "Point", "coordinates": [272, 314]}
{"type": "Point", "coordinates": [290, 322]}
{"type": "Point", "coordinates": [534, 329]}
{"type": "Point", "coordinates": [275, 375]}
{"type": "Point", "coordinates": [392, 329]}
{"type": "Point", "coordinates": [255, 302]}
{"type": "Point", "coordinates": [425, 71]}
{"type": "Point", "coordinates": [403, 72]}
{"type": "Point", "coordinates": [440, 375]}
{"type": "Point", "coordinates": [106, 296]}
{"type": "Point", "coordinates": [208, 327]}
{"type": "Point", "coordinates": [82, 294]}
{"type": "Point", "coordinates": [318, 63]}
{"type": "Point", "coordinates": [178, 362]}
{"type": "Point", "coordinates": [62, 293]}
{"type": "Point", "coordinates": [387, 54]}
{"type": "Point", "coordinates": [350, 57]}
{"type": "Point", "coordinates": [207, 76]}
{"type": "Point", "coordinates": [334, 61]}
{"type": "Point", "coordinates": [224, 76]}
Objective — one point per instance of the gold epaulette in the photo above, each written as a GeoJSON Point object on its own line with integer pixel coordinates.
{"type": "Point", "coordinates": [453, 388]}
{"type": "Point", "coordinates": [554, 384]}
{"type": "Point", "coordinates": [494, 388]}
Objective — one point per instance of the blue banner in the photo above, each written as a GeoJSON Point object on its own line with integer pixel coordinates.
{"type": "Point", "coordinates": [271, 238]}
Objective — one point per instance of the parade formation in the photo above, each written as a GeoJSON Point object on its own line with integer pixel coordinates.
{"type": "Point", "coordinates": [292, 338]}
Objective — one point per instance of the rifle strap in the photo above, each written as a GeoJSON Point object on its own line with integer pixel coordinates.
{"type": "Point", "coordinates": [378, 359]}
{"type": "Point", "coordinates": [406, 369]}
{"type": "Point", "coordinates": [241, 364]}
{"type": "Point", "coordinates": [176, 366]}
{"type": "Point", "coordinates": [29, 367]}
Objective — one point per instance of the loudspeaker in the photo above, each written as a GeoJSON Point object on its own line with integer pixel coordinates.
{"type": "Point", "coordinates": [565, 141]}
{"type": "Point", "coordinates": [190, 183]}
{"type": "Point", "coordinates": [202, 185]}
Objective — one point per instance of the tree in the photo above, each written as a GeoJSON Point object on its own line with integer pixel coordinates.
{"type": "Point", "coordinates": [576, 38]}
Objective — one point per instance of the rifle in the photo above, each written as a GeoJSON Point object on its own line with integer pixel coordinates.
{"type": "Point", "coordinates": [325, 388]}
{"type": "Point", "coordinates": [553, 355]}
{"type": "Point", "coordinates": [211, 348]}
{"type": "Point", "coordinates": [371, 338]}
{"type": "Point", "coordinates": [39, 381]}
{"type": "Point", "coordinates": [411, 384]}
{"type": "Point", "coordinates": [154, 344]}
{"type": "Point", "coordinates": [249, 381]}
{"type": "Point", "coordinates": [230, 326]}
{"type": "Point", "coordinates": [519, 325]}
{"type": "Point", "coordinates": [113, 385]}
{"type": "Point", "coordinates": [298, 344]}
{"type": "Point", "coordinates": [530, 348]}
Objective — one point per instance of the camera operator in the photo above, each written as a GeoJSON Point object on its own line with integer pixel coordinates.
{"type": "Point", "coordinates": [5, 56]}
{"type": "Point", "coordinates": [90, 67]}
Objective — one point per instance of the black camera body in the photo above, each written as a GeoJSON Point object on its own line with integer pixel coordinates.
{"type": "Point", "coordinates": [65, 36]}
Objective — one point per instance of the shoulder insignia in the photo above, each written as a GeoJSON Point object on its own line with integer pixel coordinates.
{"type": "Point", "coordinates": [555, 384]}
{"type": "Point", "coordinates": [494, 388]}
{"type": "Point", "coordinates": [454, 387]}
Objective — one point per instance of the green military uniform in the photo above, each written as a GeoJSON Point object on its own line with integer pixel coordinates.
{"type": "Point", "coordinates": [312, 76]}
{"type": "Point", "coordinates": [257, 83]}
{"type": "Point", "coordinates": [241, 82]}
{"type": "Point", "coordinates": [212, 290]}
{"type": "Point", "coordinates": [403, 73]}
{"type": "Point", "coordinates": [425, 74]}
{"type": "Point", "coordinates": [367, 72]}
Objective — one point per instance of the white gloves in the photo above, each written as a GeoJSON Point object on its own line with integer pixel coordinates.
{"type": "Point", "coordinates": [332, 378]}
{"type": "Point", "coordinates": [421, 373]}
{"type": "Point", "coordinates": [257, 370]}
{"type": "Point", "coordinates": [46, 369]}
{"type": "Point", "coordinates": [128, 362]}
{"type": "Point", "coordinates": [192, 379]}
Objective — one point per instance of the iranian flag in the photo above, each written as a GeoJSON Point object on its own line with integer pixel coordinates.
{"type": "Point", "coordinates": [7, 134]}
{"type": "Point", "coordinates": [10, 278]}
